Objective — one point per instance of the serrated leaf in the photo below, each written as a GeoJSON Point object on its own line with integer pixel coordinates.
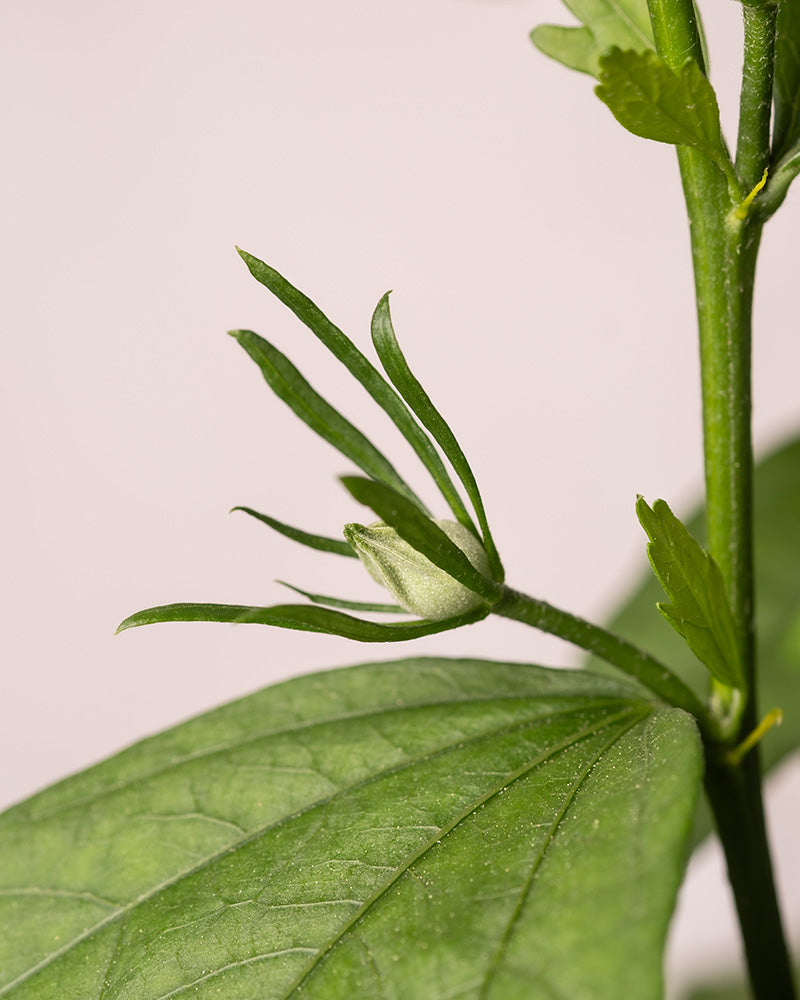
{"type": "Point", "coordinates": [425, 828]}
{"type": "Point", "coordinates": [655, 102]}
{"type": "Point", "coordinates": [301, 617]}
{"type": "Point", "coordinates": [320, 542]}
{"type": "Point", "coordinates": [575, 48]}
{"type": "Point", "coordinates": [604, 24]}
{"type": "Point", "coordinates": [289, 385]}
{"type": "Point", "coordinates": [776, 540]}
{"type": "Point", "coordinates": [700, 610]}
{"type": "Point", "coordinates": [407, 384]}
{"type": "Point", "coordinates": [786, 126]}
{"type": "Point", "coordinates": [345, 351]}
{"type": "Point", "coordinates": [421, 533]}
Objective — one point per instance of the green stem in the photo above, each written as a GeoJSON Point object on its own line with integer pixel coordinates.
{"type": "Point", "coordinates": [724, 250]}
{"type": "Point", "coordinates": [734, 793]}
{"type": "Point", "coordinates": [609, 647]}
{"type": "Point", "coordinates": [755, 103]}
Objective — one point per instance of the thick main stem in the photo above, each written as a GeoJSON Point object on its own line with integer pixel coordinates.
{"type": "Point", "coordinates": [725, 241]}
{"type": "Point", "coordinates": [724, 249]}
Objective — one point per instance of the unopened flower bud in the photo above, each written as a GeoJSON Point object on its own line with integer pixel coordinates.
{"type": "Point", "coordinates": [418, 585]}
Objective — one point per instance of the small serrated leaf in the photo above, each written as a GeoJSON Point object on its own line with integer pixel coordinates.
{"type": "Point", "coordinates": [700, 610]}
{"type": "Point", "coordinates": [653, 101]}
{"type": "Point", "coordinates": [575, 48]}
{"type": "Point", "coordinates": [604, 24]}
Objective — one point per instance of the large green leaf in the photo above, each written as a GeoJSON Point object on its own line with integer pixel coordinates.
{"type": "Point", "coordinates": [777, 544]}
{"type": "Point", "coordinates": [418, 829]}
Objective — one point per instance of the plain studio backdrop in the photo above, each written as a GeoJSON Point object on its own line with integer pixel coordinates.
{"type": "Point", "coordinates": [542, 292]}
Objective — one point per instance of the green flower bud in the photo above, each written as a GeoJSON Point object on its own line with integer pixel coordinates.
{"type": "Point", "coordinates": [418, 585]}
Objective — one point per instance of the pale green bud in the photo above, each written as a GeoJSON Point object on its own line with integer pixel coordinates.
{"type": "Point", "coordinates": [417, 584]}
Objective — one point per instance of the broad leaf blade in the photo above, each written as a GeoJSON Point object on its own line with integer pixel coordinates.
{"type": "Point", "coordinates": [421, 533]}
{"type": "Point", "coordinates": [289, 385]}
{"type": "Point", "coordinates": [344, 350]}
{"type": "Point", "coordinates": [320, 542]}
{"type": "Point", "coordinates": [302, 618]}
{"type": "Point", "coordinates": [700, 610]}
{"type": "Point", "coordinates": [604, 24]}
{"type": "Point", "coordinates": [655, 102]}
{"type": "Point", "coordinates": [786, 127]}
{"type": "Point", "coordinates": [407, 384]}
{"type": "Point", "coordinates": [413, 829]}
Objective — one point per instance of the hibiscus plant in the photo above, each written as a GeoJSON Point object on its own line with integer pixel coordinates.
{"type": "Point", "coordinates": [432, 827]}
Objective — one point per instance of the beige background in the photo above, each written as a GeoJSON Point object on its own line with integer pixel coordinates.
{"type": "Point", "coordinates": [539, 259]}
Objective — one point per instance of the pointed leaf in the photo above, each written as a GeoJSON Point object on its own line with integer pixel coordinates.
{"type": "Point", "coordinates": [405, 381]}
{"type": "Point", "coordinates": [655, 102]}
{"type": "Point", "coordinates": [342, 348]}
{"type": "Point", "coordinates": [301, 617]}
{"type": "Point", "coordinates": [421, 533]}
{"type": "Point", "coordinates": [425, 828]}
{"type": "Point", "coordinates": [604, 24]}
{"type": "Point", "coordinates": [338, 602]}
{"type": "Point", "coordinates": [320, 542]}
{"type": "Point", "coordinates": [700, 610]}
{"type": "Point", "coordinates": [289, 385]}
{"type": "Point", "coordinates": [777, 540]}
{"type": "Point", "coordinates": [786, 128]}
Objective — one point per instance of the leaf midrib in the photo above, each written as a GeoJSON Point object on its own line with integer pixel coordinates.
{"type": "Point", "coordinates": [507, 781]}
{"type": "Point", "coordinates": [307, 725]}
{"type": "Point", "coordinates": [537, 861]}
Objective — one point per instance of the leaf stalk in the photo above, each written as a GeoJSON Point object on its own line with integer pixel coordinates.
{"type": "Point", "coordinates": [609, 647]}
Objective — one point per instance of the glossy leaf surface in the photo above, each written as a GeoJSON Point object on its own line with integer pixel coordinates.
{"type": "Point", "coordinates": [655, 102]}
{"type": "Point", "coordinates": [426, 828]}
